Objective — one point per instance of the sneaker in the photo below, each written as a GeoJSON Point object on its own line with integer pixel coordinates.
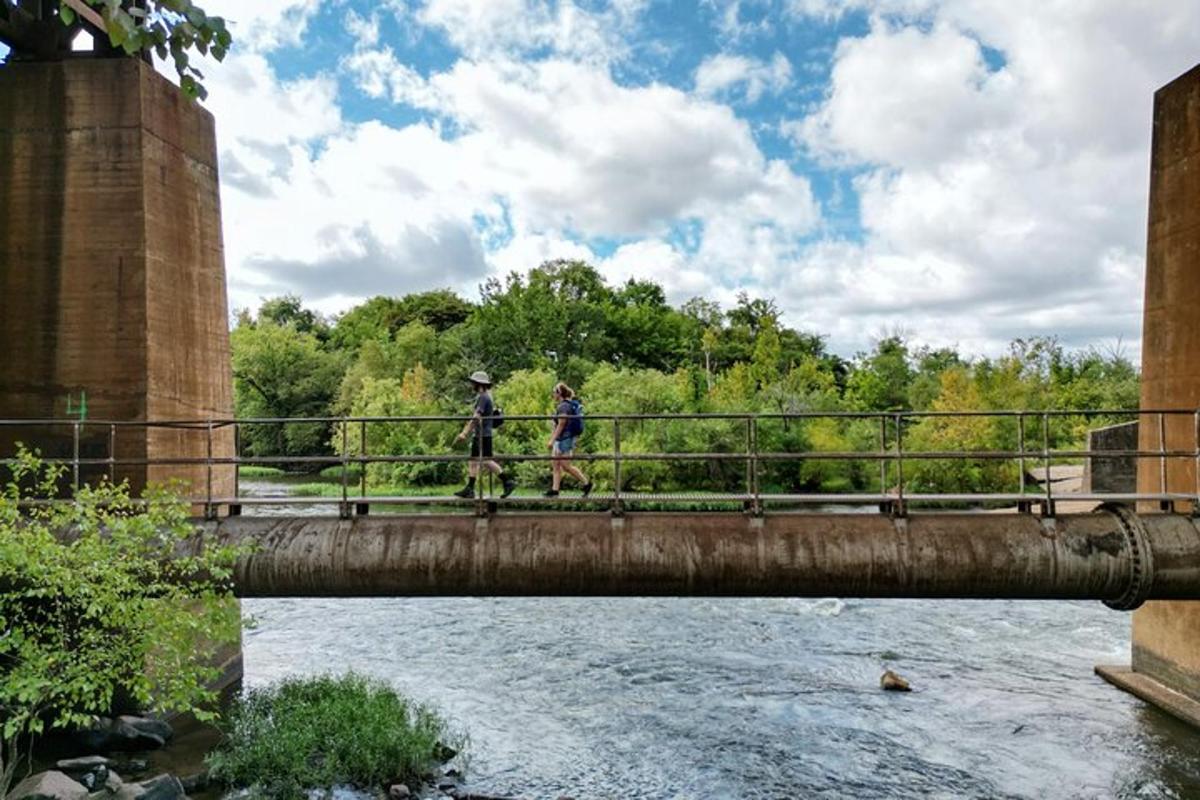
{"type": "Point", "coordinates": [587, 489]}
{"type": "Point", "coordinates": [467, 492]}
{"type": "Point", "coordinates": [510, 486]}
{"type": "Point", "coordinates": [550, 493]}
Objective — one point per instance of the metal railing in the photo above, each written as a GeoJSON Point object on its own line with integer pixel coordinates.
{"type": "Point", "coordinates": [209, 455]}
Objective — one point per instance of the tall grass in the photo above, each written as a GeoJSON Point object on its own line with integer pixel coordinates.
{"type": "Point", "coordinates": [313, 733]}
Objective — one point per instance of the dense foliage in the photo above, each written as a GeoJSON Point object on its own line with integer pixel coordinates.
{"type": "Point", "coordinates": [314, 733]}
{"type": "Point", "coordinates": [626, 350]}
{"type": "Point", "coordinates": [120, 608]}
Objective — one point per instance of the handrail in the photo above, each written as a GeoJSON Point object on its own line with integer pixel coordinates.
{"type": "Point", "coordinates": [895, 492]}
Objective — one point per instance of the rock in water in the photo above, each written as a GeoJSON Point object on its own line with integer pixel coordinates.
{"type": "Point", "coordinates": [892, 682]}
{"type": "Point", "coordinates": [124, 733]}
{"type": "Point", "coordinates": [398, 791]}
{"type": "Point", "coordinates": [163, 787]}
{"type": "Point", "coordinates": [91, 771]}
{"type": "Point", "coordinates": [51, 785]}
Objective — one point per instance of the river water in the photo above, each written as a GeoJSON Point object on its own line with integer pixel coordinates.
{"type": "Point", "coordinates": [698, 698]}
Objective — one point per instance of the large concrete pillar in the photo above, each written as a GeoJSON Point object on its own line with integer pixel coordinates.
{"type": "Point", "coordinates": [112, 282]}
{"type": "Point", "coordinates": [1166, 634]}
{"type": "Point", "coordinates": [112, 275]}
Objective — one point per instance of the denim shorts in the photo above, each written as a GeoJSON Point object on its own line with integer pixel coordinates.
{"type": "Point", "coordinates": [564, 446]}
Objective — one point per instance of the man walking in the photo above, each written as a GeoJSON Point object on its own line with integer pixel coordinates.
{"type": "Point", "coordinates": [482, 423]}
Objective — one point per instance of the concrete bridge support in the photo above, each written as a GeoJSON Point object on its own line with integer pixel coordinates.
{"type": "Point", "coordinates": [1166, 634]}
{"type": "Point", "coordinates": [112, 276]}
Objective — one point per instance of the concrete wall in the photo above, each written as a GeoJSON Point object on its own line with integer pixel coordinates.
{"type": "Point", "coordinates": [111, 265]}
{"type": "Point", "coordinates": [1111, 473]}
{"type": "Point", "coordinates": [1166, 635]}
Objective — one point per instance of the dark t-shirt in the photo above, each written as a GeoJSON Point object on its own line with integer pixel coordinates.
{"type": "Point", "coordinates": [485, 407]}
{"type": "Point", "coordinates": [564, 412]}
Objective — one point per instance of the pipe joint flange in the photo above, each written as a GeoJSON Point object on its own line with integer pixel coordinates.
{"type": "Point", "coordinates": [1141, 558]}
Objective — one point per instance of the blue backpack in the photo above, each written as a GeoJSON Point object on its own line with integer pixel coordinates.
{"type": "Point", "coordinates": [575, 421]}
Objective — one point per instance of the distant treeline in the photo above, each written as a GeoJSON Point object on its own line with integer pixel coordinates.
{"type": "Point", "coordinates": [626, 350]}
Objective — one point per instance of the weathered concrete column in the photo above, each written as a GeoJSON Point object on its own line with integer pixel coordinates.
{"type": "Point", "coordinates": [112, 280]}
{"type": "Point", "coordinates": [112, 275]}
{"type": "Point", "coordinates": [1166, 634]}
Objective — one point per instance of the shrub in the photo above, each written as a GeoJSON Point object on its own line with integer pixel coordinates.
{"type": "Point", "coordinates": [129, 603]}
{"type": "Point", "coordinates": [314, 733]}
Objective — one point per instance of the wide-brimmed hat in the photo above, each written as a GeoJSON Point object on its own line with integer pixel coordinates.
{"type": "Point", "coordinates": [481, 378]}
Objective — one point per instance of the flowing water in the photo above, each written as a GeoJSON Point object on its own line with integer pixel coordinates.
{"type": "Point", "coordinates": [699, 698]}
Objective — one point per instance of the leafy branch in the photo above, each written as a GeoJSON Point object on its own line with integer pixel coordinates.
{"type": "Point", "coordinates": [169, 28]}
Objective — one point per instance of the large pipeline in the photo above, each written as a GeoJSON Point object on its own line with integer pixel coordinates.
{"type": "Point", "coordinates": [1114, 556]}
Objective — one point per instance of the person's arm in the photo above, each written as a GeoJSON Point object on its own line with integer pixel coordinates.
{"type": "Point", "coordinates": [560, 424]}
{"type": "Point", "coordinates": [474, 421]}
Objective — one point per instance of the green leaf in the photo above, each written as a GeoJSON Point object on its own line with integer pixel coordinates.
{"type": "Point", "coordinates": [67, 15]}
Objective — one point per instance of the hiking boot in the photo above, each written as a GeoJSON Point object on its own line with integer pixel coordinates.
{"type": "Point", "coordinates": [587, 489]}
{"type": "Point", "coordinates": [550, 493]}
{"type": "Point", "coordinates": [467, 492]}
{"type": "Point", "coordinates": [510, 486]}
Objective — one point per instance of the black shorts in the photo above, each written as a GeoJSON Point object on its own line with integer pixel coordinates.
{"type": "Point", "coordinates": [475, 447]}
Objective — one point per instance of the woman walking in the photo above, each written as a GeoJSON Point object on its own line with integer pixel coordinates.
{"type": "Point", "coordinates": [568, 425]}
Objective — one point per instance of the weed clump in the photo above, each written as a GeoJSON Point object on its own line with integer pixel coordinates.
{"type": "Point", "coordinates": [314, 733]}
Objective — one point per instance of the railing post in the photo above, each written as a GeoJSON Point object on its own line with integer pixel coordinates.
{"type": "Point", "coordinates": [112, 453]}
{"type": "Point", "coordinates": [480, 503]}
{"type": "Point", "coordinates": [885, 506]}
{"type": "Point", "coordinates": [364, 507]}
{"type": "Point", "coordinates": [235, 508]}
{"type": "Point", "coordinates": [752, 464]}
{"type": "Point", "coordinates": [1023, 506]}
{"type": "Point", "coordinates": [344, 506]}
{"type": "Point", "coordinates": [210, 511]}
{"type": "Point", "coordinates": [617, 508]}
{"type": "Point", "coordinates": [75, 457]}
{"type": "Point", "coordinates": [1164, 503]}
{"type": "Point", "coordinates": [900, 509]}
{"type": "Point", "coordinates": [1048, 504]}
{"type": "Point", "coordinates": [1196, 463]}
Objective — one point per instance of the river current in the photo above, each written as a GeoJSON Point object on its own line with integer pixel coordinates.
{"type": "Point", "coordinates": [755, 698]}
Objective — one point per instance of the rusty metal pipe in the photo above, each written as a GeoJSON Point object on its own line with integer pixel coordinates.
{"type": "Point", "coordinates": [1084, 556]}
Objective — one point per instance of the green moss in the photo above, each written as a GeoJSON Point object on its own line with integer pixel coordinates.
{"type": "Point", "coordinates": [314, 733]}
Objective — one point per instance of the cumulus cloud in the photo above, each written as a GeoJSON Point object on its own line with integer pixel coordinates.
{"type": "Point", "coordinates": [1007, 194]}
{"type": "Point", "coordinates": [264, 25]}
{"type": "Point", "coordinates": [724, 73]}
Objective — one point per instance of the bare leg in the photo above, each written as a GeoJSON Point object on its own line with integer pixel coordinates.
{"type": "Point", "coordinates": [575, 473]}
{"type": "Point", "coordinates": [557, 469]}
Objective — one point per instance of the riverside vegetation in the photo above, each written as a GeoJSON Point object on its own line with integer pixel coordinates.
{"type": "Point", "coordinates": [129, 610]}
{"type": "Point", "coordinates": [626, 350]}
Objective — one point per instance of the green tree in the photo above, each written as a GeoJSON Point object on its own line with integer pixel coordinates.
{"type": "Point", "coordinates": [174, 29]}
{"type": "Point", "coordinates": [280, 372]}
{"type": "Point", "coordinates": [880, 379]}
{"type": "Point", "coordinates": [130, 604]}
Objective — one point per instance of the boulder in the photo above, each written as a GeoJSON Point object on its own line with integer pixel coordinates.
{"type": "Point", "coordinates": [91, 771]}
{"type": "Point", "coordinates": [124, 733]}
{"type": "Point", "coordinates": [130, 766]}
{"type": "Point", "coordinates": [892, 682]}
{"type": "Point", "coordinates": [195, 783]}
{"type": "Point", "coordinates": [399, 791]}
{"type": "Point", "coordinates": [162, 787]}
{"type": "Point", "coordinates": [52, 785]}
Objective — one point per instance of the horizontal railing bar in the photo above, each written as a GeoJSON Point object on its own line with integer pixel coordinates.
{"type": "Point", "coordinates": [202, 425]}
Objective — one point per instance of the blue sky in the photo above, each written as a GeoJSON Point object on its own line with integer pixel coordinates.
{"type": "Point", "coordinates": [963, 171]}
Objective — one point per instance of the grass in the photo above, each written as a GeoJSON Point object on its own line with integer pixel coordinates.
{"type": "Point", "coordinates": [301, 734]}
{"type": "Point", "coordinates": [254, 471]}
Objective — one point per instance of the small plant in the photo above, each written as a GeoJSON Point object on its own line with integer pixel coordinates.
{"type": "Point", "coordinates": [314, 733]}
{"type": "Point", "coordinates": [102, 595]}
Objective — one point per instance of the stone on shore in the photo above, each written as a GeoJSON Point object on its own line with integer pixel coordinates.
{"type": "Point", "coordinates": [91, 771]}
{"type": "Point", "coordinates": [399, 791]}
{"type": "Point", "coordinates": [162, 787]}
{"type": "Point", "coordinates": [124, 733]}
{"type": "Point", "coordinates": [892, 682]}
{"type": "Point", "coordinates": [52, 785]}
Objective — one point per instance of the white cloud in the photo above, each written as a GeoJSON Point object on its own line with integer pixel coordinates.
{"type": "Point", "coordinates": [997, 199]}
{"type": "Point", "coordinates": [508, 28]}
{"type": "Point", "coordinates": [722, 73]}
{"type": "Point", "coordinates": [263, 25]}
